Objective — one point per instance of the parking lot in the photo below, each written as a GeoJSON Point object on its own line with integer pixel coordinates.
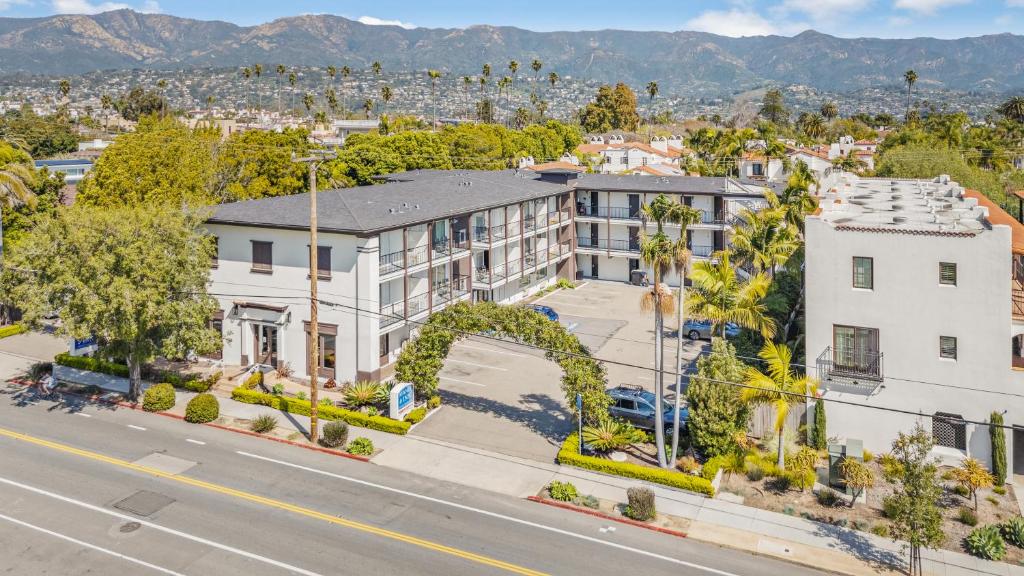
{"type": "Point", "coordinates": [507, 398]}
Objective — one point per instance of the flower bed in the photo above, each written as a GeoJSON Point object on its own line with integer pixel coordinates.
{"type": "Point", "coordinates": [303, 407]}
{"type": "Point", "coordinates": [570, 456]}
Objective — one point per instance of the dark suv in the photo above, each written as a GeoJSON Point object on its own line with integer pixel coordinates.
{"type": "Point", "coordinates": [636, 406]}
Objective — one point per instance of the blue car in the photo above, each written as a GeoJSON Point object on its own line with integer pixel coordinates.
{"type": "Point", "coordinates": [545, 310]}
{"type": "Point", "coordinates": [697, 329]}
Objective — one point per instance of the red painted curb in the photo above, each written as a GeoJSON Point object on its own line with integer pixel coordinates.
{"type": "Point", "coordinates": [135, 406]}
{"type": "Point", "coordinates": [592, 512]}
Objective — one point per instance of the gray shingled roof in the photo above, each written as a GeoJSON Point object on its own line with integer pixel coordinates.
{"type": "Point", "coordinates": [669, 184]}
{"type": "Point", "coordinates": [405, 199]}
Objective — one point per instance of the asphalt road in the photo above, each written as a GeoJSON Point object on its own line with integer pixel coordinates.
{"type": "Point", "coordinates": [205, 501]}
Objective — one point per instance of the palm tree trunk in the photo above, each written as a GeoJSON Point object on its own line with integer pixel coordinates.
{"type": "Point", "coordinates": [679, 359]}
{"type": "Point", "coordinates": [781, 461]}
{"type": "Point", "coordinates": [659, 385]}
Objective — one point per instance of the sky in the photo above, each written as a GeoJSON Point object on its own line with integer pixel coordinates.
{"type": "Point", "coordinates": [846, 18]}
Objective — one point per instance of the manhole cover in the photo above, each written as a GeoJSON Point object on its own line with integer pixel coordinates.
{"type": "Point", "coordinates": [129, 527]}
{"type": "Point", "coordinates": [144, 503]}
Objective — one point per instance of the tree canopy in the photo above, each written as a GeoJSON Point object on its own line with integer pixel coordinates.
{"type": "Point", "coordinates": [612, 109]}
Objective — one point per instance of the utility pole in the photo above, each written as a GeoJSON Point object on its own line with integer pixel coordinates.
{"type": "Point", "coordinates": [316, 158]}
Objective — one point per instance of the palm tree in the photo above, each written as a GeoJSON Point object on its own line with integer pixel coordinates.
{"type": "Point", "coordinates": [513, 67]}
{"type": "Point", "coordinates": [376, 68]}
{"type": "Point", "coordinates": [652, 91]}
{"type": "Point", "coordinates": [332, 101]}
{"type": "Point", "coordinates": [553, 79]}
{"type": "Point", "coordinates": [292, 79]}
{"type": "Point", "coordinates": [660, 253]}
{"type": "Point", "coordinates": [308, 101]}
{"type": "Point", "coordinates": [910, 78]}
{"type": "Point", "coordinates": [720, 297]}
{"type": "Point", "coordinates": [257, 71]}
{"type": "Point", "coordinates": [368, 107]}
{"type": "Point", "coordinates": [536, 65]}
{"type": "Point", "coordinates": [765, 241]}
{"type": "Point", "coordinates": [434, 75]}
{"type": "Point", "coordinates": [247, 74]}
{"type": "Point", "coordinates": [486, 70]}
{"type": "Point", "coordinates": [209, 103]}
{"type": "Point", "coordinates": [162, 86]}
{"type": "Point", "coordinates": [829, 110]}
{"type": "Point", "coordinates": [15, 189]}
{"type": "Point", "coordinates": [332, 71]}
{"type": "Point", "coordinates": [1013, 109]}
{"type": "Point", "coordinates": [466, 83]}
{"type": "Point", "coordinates": [781, 388]}
{"type": "Point", "coordinates": [106, 103]}
{"type": "Point", "coordinates": [503, 85]}
{"type": "Point", "coordinates": [681, 266]}
{"type": "Point", "coordinates": [386, 95]}
{"type": "Point", "coordinates": [813, 125]}
{"type": "Point", "coordinates": [345, 72]}
{"type": "Point", "coordinates": [280, 75]}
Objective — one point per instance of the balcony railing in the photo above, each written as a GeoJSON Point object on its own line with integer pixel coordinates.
{"type": "Point", "coordinates": [449, 289]}
{"type": "Point", "coordinates": [416, 255]}
{"type": "Point", "coordinates": [850, 366]}
{"type": "Point", "coordinates": [417, 304]}
{"type": "Point", "coordinates": [605, 244]}
{"type": "Point", "coordinates": [530, 259]}
{"type": "Point", "coordinates": [441, 247]}
{"type": "Point", "coordinates": [391, 313]}
{"type": "Point", "coordinates": [701, 251]}
{"type": "Point", "coordinates": [613, 212]}
{"type": "Point", "coordinates": [529, 223]}
{"type": "Point", "coordinates": [480, 234]}
{"type": "Point", "coordinates": [392, 262]}
{"type": "Point", "coordinates": [514, 267]}
{"type": "Point", "coordinates": [1018, 302]}
{"type": "Point", "coordinates": [498, 232]}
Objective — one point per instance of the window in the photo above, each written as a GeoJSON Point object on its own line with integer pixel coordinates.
{"type": "Point", "coordinates": [623, 159]}
{"type": "Point", "coordinates": [385, 345]}
{"type": "Point", "coordinates": [949, 430]}
{"type": "Point", "coordinates": [215, 259]}
{"type": "Point", "coordinates": [758, 169]}
{"type": "Point", "coordinates": [863, 272]}
{"type": "Point", "coordinates": [856, 351]}
{"type": "Point", "coordinates": [328, 348]}
{"type": "Point", "coordinates": [624, 404]}
{"type": "Point", "coordinates": [262, 257]}
{"type": "Point", "coordinates": [947, 347]}
{"type": "Point", "coordinates": [947, 273]}
{"type": "Point", "coordinates": [323, 262]}
{"type": "Point", "coordinates": [216, 323]}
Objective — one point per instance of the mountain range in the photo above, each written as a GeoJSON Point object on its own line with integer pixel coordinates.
{"type": "Point", "coordinates": [698, 61]}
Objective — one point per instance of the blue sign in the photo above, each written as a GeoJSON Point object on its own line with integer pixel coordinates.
{"type": "Point", "coordinates": [84, 343]}
{"type": "Point", "coordinates": [402, 399]}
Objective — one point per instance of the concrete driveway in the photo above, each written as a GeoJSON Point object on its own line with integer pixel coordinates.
{"type": "Point", "coordinates": [507, 398]}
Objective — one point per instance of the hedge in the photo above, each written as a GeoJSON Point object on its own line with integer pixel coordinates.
{"type": "Point", "coordinates": [91, 364]}
{"type": "Point", "coordinates": [12, 330]}
{"type": "Point", "coordinates": [158, 397]}
{"type": "Point", "coordinates": [710, 468]}
{"type": "Point", "coordinates": [570, 455]}
{"type": "Point", "coordinates": [417, 415]}
{"type": "Point", "coordinates": [202, 409]}
{"type": "Point", "coordinates": [302, 407]}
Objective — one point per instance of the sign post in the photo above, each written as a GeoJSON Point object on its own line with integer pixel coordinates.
{"type": "Point", "coordinates": [402, 399]}
{"type": "Point", "coordinates": [82, 347]}
{"type": "Point", "coordinates": [579, 413]}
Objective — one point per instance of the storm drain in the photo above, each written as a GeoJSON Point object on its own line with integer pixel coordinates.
{"type": "Point", "coordinates": [144, 503]}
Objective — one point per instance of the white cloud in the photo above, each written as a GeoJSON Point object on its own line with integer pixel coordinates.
{"type": "Point", "coordinates": [374, 21]}
{"type": "Point", "coordinates": [5, 4]}
{"type": "Point", "coordinates": [87, 7]}
{"type": "Point", "coordinates": [928, 6]}
{"type": "Point", "coordinates": [734, 22]}
{"type": "Point", "coordinates": [824, 10]}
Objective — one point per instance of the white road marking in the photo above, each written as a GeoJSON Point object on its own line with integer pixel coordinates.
{"type": "Point", "coordinates": [199, 442]}
{"type": "Point", "coordinates": [572, 326]}
{"type": "Point", "coordinates": [463, 345]}
{"type": "Point", "coordinates": [83, 414]}
{"type": "Point", "coordinates": [491, 514]}
{"type": "Point", "coordinates": [463, 381]}
{"type": "Point", "coordinates": [164, 529]}
{"type": "Point", "coordinates": [134, 427]}
{"type": "Point", "coordinates": [475, 364]}
{"type": "Point", "coordinates": [90, 546]}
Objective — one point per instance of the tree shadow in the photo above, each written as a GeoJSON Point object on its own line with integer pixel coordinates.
{"type": "Point", "coordinates": [58, 401]}
{"type": "Point", "coordinates": [858, 545]}
{"type": "Point", "coordinates": [549, 419]}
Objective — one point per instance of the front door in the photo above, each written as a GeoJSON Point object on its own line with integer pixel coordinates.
{"type": "Point", "coordinates": [265, 341]}
{"type": "Point", "coordinates": [593, 266]}
{"type": "Point", "coordinates": [634, 205]}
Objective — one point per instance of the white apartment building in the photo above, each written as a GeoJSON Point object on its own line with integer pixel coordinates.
{"type": "Point", "coordinates": [915, 302]}
{"type": "Point", "coordinates": [388, 256]}
{"type": "Point", "coordinates": [618, 156]}
{"type": "Point", "coordinates": [608, 218]}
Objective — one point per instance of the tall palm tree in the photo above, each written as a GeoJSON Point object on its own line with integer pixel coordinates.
{"type": "Point", "coordinates": [106, 103]}
{"type": "Point", "coordinates": [15, 189]}
{"type": "Point", "coordinates": [504, 86]}
{"type": "Point", "coordinates": [910, 78]}
{"type": "Point", "coordinates": [781, 387]}
{"type": "Point", "coordinates": [652, 91]}
{"type": "Point", "coordinates": [513, 67]}
{"type": "Point", "coordinates": [813, 125]}
{"type": "Point", "coordinates": [765, 240]}
{"type": "Point", "coordinates": [332, 71]}
{"type": "Point", "coordinates": [332, 101]}
{"type": "Point", "coordinates": [345, 72]}
{"type": "Point", "coordinates": [376, 68]}
{"type": "Point", "coordinates": [536, 65]}
{"type": "Point", "coordinates": [247, 74]}
{"type": "Point", "coordinates": [660, 253]}
{"type": "Point", "coordinates": [280, 76]}
{"type": "Point", "coordinates": [386, 94]}
{"type": "Point", "coordinates": [308, 100]}
{"type": "Point", "coordinates": [719, 296]}
{"type": "Point", "coordinates": [553, 79]}
{"type": "Point", "coordinates": [368, 107]}
{"type": "Point", "coordinates": [829, 110]}
{"type": "Point", "coordinates": [1013, 109]}
{"type": "Point", "coordinates": [467, 82]}
{"type": "Point", "coordinates": [434, 75]}
{"type": "Point", "coordinates": [210, 99]}
{"type": "Point", "coordinates": [292, 79]}
{"type": "Point", "coordinates": [257, 71]}
{"type": "Point", "coordinates": [681, 265]}
{"type": "Point", "coordinates": [486, 70]}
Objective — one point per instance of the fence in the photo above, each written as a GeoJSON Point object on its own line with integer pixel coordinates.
{"type": "Point", "coordinates": [762, 420]}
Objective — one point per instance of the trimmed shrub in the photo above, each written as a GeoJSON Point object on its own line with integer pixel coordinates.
{"type": "Point", "coordinates": [303, 407]}
{"type": "Point", "coordinates": [999, 490]}
{"type": "Point", "coordinates": [986, 542]}
{"type": "Point", "coordinates": [253, 381]}
{"type": "Point", "coordinates": [91, 364]}
{"type": "Point", "coordinates": [967, 516]}
{"type": "Point", "coordinates": [570, 456]}
{"type": "Point", "coordinates": [277, 390]}
{"type": "Point", "coordinates": [201, 409]}
{"type": "Point", "coordinates": [195, 385]}
{"type": "Point", "coordinates": [158, 397]}
{"type": "Point", "coordinates": [589, 501]}
{"type": "Point", "coordinates": [1013, 531]}
{"type": "Point", "coordinates": [992, 500]}
{"type": "Point", "coordinates": [641, 503]}
{"type": "Point", "coordinates": [415, 416]}
{"type": "Point", "coordinates": [828, 497]}
{"type": "Point", "coordinates": [998, 438]}
{"type": "Point", "coordinates": [334, 434]}
{"type": "Point", "coordinates": [880, 530]}
{"type": "Point", "coordinates": [434, 402]}
{"type": "Point", "coordinates": [961, 491]}
{"type": "Point", "coordinates": [263, 423]}
{"type": "Point", "coordinates": [755, 473]}
{"type": "Point", "coordinates": [562, 491]}
{"type": "Point", "coordinates": [361, 447]}
{"type": "Point", "coordinates": [711, 467]}
{"type": "Point", "coordinates": [11, 330]}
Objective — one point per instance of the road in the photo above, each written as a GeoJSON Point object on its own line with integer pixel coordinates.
{"type": "Point", "coordinates": [205, 501]}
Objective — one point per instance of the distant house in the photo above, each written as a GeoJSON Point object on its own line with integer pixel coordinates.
{"type": "Point", "coordinates": [754, 165]}
{"type": "Point", "coordinates": [73, 169]}
{"type": "Point", "coordinates": [341, 129]}
{"type": "Point", "coordinates": [616, 156]}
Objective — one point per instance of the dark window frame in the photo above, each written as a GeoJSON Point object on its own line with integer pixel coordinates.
{"type": "Point", "coordinates": [323, 331]}
{"type": "Point", "coordinates": [943, 275]}
{"type": "Point", "coordinates": [943, 345]}
{"type": "Point", "coordinates": [260, 267]}
{"type": "Point", "coordinates": [322, 272]}
{"type": "Point", "coordinates": [871, 272]}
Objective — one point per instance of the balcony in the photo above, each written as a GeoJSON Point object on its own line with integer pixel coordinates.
{"type": "Point", "coordinates": [1017, 295]}
{"type": "Point", "coordinates": [497, 232]}
{"type": "Point", "coordinates": [417, 304]}
{"type": "Point", "coordinates": [481, 234]}
{"type": "Point", "coordinates": [612, 213]}
{"type": "Point", "coordinates": [530, 260]}
{"type": "Point", "coordinates": [441, 248]}
{"type": "Point", "coordinates": [450, 289]}
{"type": "Point", "coordinates": [392, 314]}
{"type": "Point", "coordinates": [529, 223]}
{"type": "Point", "coordinates": [392, 262]}
{"type": "Point", "coordinates": [611, 245]}
{"type": "Point", "coordinates": [850, 370]}
{"type": "Point", "coordinates": [701, 251]}
{"type": "Point", "coordinates": [415, 256]}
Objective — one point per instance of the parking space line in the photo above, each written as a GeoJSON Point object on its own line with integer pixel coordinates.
{"type": "Point", "coordinates": [475, 364]}
{"type": "Point", "coordinates": [463, 345]}
{"type": "Point", "coordinates": [199, 442]}
{"type": "Point", "coordinates": [463, 381]}
{"type": "Point", "coordinates": [134, 427]}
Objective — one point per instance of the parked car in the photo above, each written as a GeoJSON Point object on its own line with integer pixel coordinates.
{"type": "Point", "coordinates": [545, 310]}
{"type": "Point", "coordinates": [638, 278]}
{"type": "Point", "coordinates": [697, 329]}
{"type": "Point", "coordinates": [636, 406]}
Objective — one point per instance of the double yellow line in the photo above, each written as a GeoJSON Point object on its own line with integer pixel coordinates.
{"type": "Point", "coordinates": [272, 503]}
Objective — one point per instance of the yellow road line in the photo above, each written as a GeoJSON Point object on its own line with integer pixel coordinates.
{"type": "Point", "coordinates": [274, 504]}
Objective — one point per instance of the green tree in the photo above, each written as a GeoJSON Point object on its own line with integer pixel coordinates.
{"type": "Point", "coordinates": [308, 101]}
{"type": "Point", "coordinates": [819, 436]}
{"type": "Point", "coordinates": [613, 109]}
{"type": "Point", "coordinates": [764, 240]}
{"type": "Point", "coordinates": [1013, 109]}
{"type": "Point", "coordinates": [16, 179]}
{"type": "Point", "coordinates": [257, 164]}
{"type": "Point", "coordinates": [717, 415]}
{"type": "Point", "coordinates": [773, 107]}
{"type": "Point", "coordinates": [719, 296]}
{"type": "Point", "coordinates": [357, 165]}
{"type": "Point", "coordinates": [135, 277]}
{"type": "Point", "coordinates": [998, 437]}
{"type": "Point", "coordinates": [913, 508]}
{"type": "Point", "coordinates": [972, 476]}
{"type": "Point", "coordinates": [162, 162]}
{"type": "Point", "coordinates": [781, 387]}
{"type": "Point", "coordinates": [829, 110]}
{"type": "Point", "coordinates": [40, 136]}
{"type": "Point", "coordinates": [857, 477]}
{"type": "Point", "coordinates": [139, 102]}
{"type": "Point", "coordinates": [386, 95]}
{"type": "Point", "coordinates": [909, 78]}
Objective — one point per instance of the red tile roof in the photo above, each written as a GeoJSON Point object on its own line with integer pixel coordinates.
{"type": "Point", "coordinates": [996, 215]}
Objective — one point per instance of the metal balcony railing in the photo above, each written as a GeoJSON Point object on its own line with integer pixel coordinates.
{"type": "Point", "coordinates": [605, 244]}
{"type": "Point", "coordinates": [417, 304]}
{"type": "Point", "coordinates": [498, 232]}
{"type": "Point", "coordinates": [392, 262]}
{"type": "Point", "coordinates": [481, 234]}
{"type": "Point", "coordinates": [441, 247]}
{"type": "Point", "coordinates": [392, 313]}
{"type": "Point", "coordinates": [701, 251]}
{"type": "Point", "coordinates": [850, 365]}
{"type": "Point", "coordinates": [1018, 302]}
{"type": "Point", "coordinates": [415, 255]}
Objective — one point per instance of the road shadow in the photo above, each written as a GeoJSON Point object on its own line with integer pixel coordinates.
{"type": "Point", "coordinates": [548, 420]}
{"type": "Point", "coordinates": [858, 545]}
{"type": "Point", "coordinates": [58, 401]}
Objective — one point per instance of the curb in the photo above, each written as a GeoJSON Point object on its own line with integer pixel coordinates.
{"type": "Point", "coordinates": [598, 514]}
{"type": "Point", "coordinates": [135, 406]}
